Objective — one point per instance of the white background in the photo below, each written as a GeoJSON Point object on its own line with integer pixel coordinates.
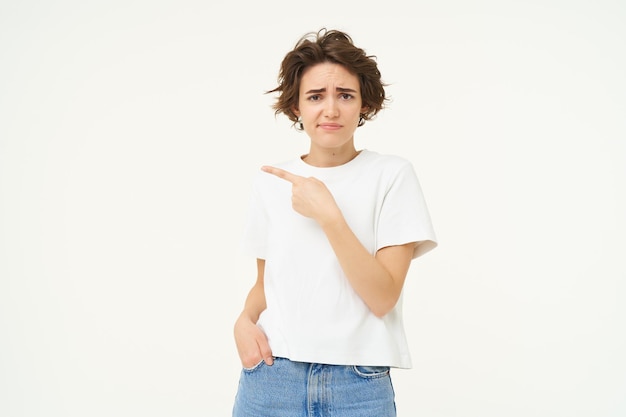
{"type": "Point", "coordinates": [130, 130]}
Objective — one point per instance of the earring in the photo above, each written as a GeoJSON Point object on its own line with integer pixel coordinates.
{"type": "Point", "coordinates": [361, 120]}
{"type": "Point", "coordinates": [298, 124]}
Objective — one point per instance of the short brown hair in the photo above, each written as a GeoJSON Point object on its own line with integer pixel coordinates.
{"type": "Point", "coordinates": [328, 46]}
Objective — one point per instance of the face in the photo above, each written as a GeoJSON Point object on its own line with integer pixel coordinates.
{"type": "Point", "coordinates": [329, 106]}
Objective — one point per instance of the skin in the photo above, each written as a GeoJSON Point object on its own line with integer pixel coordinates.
{"type": "Point", "coordinates": [329, 106]}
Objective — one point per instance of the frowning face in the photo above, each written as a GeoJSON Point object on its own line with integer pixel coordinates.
{"type": "Point", "coordinates": [329, 106]}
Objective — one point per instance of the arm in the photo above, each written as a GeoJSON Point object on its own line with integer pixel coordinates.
{"type": "Point", "coordinates": [251, 342]}
{"type": "Point", "coordinates": [377, 279]}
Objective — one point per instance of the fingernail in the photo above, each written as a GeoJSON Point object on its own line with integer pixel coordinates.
{"type": "Point", "coordinates": [269, 361]}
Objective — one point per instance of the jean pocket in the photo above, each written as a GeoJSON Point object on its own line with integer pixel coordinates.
{"type": "Point", "coordinates": [371, 371]}
{"type": "Point", "coordinates": [255, 367]}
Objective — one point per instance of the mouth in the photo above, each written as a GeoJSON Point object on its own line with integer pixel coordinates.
{"type": "Point", "coordinates": [329, 126]}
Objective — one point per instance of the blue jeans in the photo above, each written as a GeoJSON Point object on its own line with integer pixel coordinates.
{"type": "Point", "coordinates": [298, 389]}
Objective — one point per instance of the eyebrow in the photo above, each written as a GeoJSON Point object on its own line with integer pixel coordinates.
{"type": "Point", "coordinates": [323, 90]}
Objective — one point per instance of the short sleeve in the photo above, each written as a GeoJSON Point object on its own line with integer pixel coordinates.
{"type": "Point", "coordinates": [404, 216]}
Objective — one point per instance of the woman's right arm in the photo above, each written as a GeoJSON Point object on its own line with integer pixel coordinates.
{"type": "Point", "coordinates": [252, 343]}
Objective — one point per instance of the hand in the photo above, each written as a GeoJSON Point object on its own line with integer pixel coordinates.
{"type": "Point", "coordinates": [310, 196]}
{"type": "Point", "coordinates": [252, 344]}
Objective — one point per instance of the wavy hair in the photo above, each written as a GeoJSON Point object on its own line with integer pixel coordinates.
{"type": "Point", "coordinates": [336, 47]}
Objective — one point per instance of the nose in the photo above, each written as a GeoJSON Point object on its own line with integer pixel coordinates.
{"type": "Point", "coordinates": [331, 110]}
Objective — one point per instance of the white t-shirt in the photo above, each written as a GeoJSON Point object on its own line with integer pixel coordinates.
{"type": "Point", "coordinates": [313, 314]}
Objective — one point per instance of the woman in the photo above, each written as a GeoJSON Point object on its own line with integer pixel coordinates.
{"type": "Point", "coordinates": [334, 232]}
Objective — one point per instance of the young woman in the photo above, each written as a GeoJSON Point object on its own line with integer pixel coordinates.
{"type": "Point", "coordinates": [333, 233]}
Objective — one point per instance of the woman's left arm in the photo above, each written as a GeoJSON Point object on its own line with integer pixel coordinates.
{"type": "Point", "coordinates": [378, 279]}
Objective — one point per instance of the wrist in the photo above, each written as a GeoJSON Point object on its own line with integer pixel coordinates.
{"type": "Point", "coordinates": [245, 317]}
{"type": "Point", "coordinates": [333, 219]}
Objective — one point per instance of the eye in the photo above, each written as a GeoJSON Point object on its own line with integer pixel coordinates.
{"type": "Point", "coordinates": [346, 96]}
{"type": "Point", "coordinates": [314, 97]}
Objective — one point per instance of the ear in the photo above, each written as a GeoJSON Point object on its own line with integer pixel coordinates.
{"type": "Point", "coordinates": [295, 111]}
{"type": "Point", "coordinates": [365, 109]}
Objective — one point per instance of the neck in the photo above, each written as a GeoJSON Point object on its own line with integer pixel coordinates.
{"type": "Point", "coordinates": [325, 158]}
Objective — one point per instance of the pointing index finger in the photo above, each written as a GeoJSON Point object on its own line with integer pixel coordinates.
{"type": "Point", "coordinates": [281, 173]}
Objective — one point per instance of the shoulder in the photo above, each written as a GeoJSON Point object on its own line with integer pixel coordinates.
{"type": "Point", "coordinates": [389, 159]}
{"type": "Point", "coordinates": [387, 163]}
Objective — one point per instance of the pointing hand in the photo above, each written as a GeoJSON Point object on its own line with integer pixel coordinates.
{"type": "Point", "coordinates": [310, 196]}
